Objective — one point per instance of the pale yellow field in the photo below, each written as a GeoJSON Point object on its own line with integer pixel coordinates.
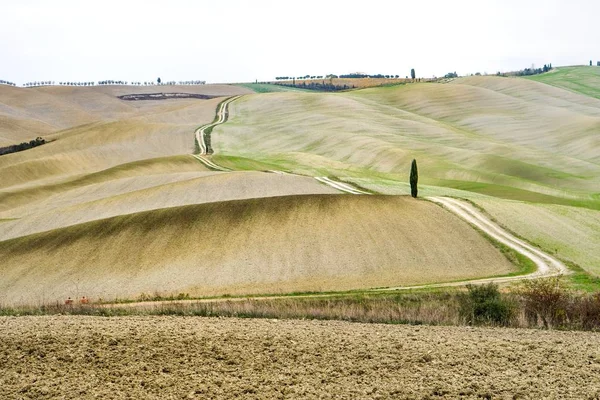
{"type": "Point", "coordinates": [274, 245]}
{"type": "Point", "coordinates": [49, 109]}
{"type": "Point", "coordinates": [149, 192]}
{"type": "Point", "coordinates": [94, 134]}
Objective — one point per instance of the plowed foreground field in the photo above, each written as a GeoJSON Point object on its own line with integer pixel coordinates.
{"type": "Point", "coordinates": [179, 358]}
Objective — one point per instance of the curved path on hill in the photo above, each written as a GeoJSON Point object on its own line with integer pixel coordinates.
{"type": "Point", "coordinates": [200, 134]}
{"type": "Point", "coordinates": [547, 265]}
{"type": "Point", "coordinates": [221, 117]}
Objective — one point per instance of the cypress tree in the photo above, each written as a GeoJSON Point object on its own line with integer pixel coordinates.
{"type": "Point", "coordinates": [414, 178]}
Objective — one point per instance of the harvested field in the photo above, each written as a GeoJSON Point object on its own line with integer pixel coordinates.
{"type": "Point", "coordinates": [163, 96]}
{"type": "Point", "coordinates": [43, 110]}
{"type": "Point", "coordinates": [174, 357]}
{"type": "Point", "coordinates": [263, 245]}
{"type": "Point", "coordinates": [131, 194]}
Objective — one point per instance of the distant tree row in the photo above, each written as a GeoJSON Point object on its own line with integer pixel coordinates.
{"type": "Point", "coordinates": [23, 146]}
{"type": "Point", "coordinates": [112, 82]}
{"type": "Point", "coordinates": [106, 82]}
{"type": "Point", "coordinates": [2, 82]}
{"type": "Point", "coordinates": [319, 86]}
{"type": "Point", "coordinates": [451, 75]}
{"type": "Point", "coordinates": [51, 83]}
{"type": "Point", "coordinates": [38, 83]}
{"type": "Point", "coordinates": [289, 78]}
{"type": "Point", "coordinates": [376, 76]}
{"type": "Point", "coordinates": [191, 82]}
{"type": "Point", "coordinates": [533, 71]}
{"type": "Point", "coordinates": [333, 76]}
{"type": "Point", "coordinates": [76, 83]}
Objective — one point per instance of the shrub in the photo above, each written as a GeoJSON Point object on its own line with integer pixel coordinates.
{"type": "Point", "coordinates": [584, 312]}
{"type": "Point", "coordinates": [545, 300]}
{"type": "Point", "coordinates": [484, 304]}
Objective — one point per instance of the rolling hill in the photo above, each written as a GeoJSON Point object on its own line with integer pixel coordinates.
{"type": "Point", "coordinates": [506, 137]}
{"type": "Point", "coordinates": [115, 205]}
{"type": "Point", "coordinates": [261, 245]}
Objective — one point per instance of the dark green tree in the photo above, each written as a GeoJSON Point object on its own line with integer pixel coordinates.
{"type": "Point", "coordinates": [412, 73]}
{"type": "Point", "coordinates": [414, 178]}
{"type": "Point", "coordinates": [158, 81]}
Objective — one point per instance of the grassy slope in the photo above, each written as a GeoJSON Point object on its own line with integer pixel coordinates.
{"type": "Point", "coordinates": [277, 245]}
{"type": "Point", "coordinates": [583, 79]}
{"type": "Point", "coordinates": [522, 140]}
{"type": "Point", "coordinates": [101, 168]}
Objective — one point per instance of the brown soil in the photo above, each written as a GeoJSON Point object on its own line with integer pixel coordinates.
{"type": "Point", "coordinates": [175, 357]}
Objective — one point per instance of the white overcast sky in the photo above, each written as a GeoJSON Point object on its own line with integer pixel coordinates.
{"type": "Point", "coordinates": [240, 41]}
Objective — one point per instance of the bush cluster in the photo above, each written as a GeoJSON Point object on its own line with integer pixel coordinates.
{"type": "Point", "coordinates": [22, 146]}
{"type": "Point", "coordinates": [484, 305]}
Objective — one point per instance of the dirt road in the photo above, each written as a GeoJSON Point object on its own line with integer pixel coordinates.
{"type": "Point", "coordinates": [546, 264]}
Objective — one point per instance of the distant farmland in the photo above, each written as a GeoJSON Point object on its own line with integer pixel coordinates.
{"type": "Point", "coordinates": [584, 80]}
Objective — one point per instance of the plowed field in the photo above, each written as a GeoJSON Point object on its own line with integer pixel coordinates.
{"type": "Point", "coordinates": [180, 358]}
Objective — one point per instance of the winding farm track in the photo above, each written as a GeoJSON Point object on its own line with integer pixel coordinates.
{"type": "Point", "coordinates": [341, 186]}
{"type": "Point", "coordinates": [200, 135]}
{"type": "Point", "coordinates": [221, 117]}
{"type": "Point", "coordinates": [547, 265]}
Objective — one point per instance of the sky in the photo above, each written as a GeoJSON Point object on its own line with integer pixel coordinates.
{"type": "Point", "coordinates": [244, 41]}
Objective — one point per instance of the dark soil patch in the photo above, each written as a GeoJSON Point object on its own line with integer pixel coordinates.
{"type": "Point", "coordinates": [165, 96]}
